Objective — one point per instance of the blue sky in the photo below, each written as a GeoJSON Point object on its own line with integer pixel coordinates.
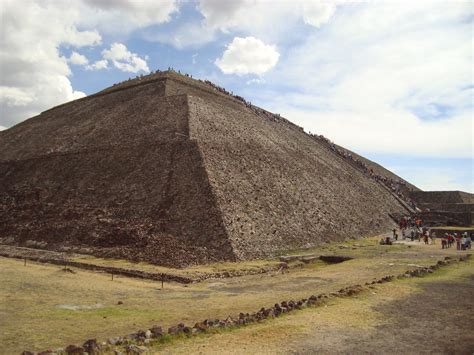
{"type": "Point", "coordinates": [391, 80]}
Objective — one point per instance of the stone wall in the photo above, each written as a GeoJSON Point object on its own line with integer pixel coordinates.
{"type": "Point", "coordinates": [447, 218]}
{"type": "Point", "coordinates": [442, 197]}
{"type": "Point", "coordinates": [451, 207]}
{"type": "Point", "coordinates": [120, 178]}
{"type": "Point", "coordinates": [139, 341]}
{"type": "Point", "coordinates": [193, 177]}
{"type": "Point", "coordinates": [286, 191]}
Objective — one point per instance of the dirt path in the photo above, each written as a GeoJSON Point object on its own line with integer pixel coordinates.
{"type": "Point", "coordinates": [439, 319]}
{"type": "Point", "coordinates": [433, 314]}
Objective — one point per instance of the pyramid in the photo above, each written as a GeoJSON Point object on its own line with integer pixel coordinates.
{"type": "Point", "coordinates": [174, 171]}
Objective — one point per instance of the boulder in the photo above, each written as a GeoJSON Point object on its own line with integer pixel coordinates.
{"type": "Point", "coordinates": [186, 330]}
{"type": "Point", "coordinates": [135, 349]}
{"type": "Point", "coordinates": [141, 334]}
{"type": "Point", "coordinates": [131, 336]}
{"type": "Point", "coordinates": [74, 350]}
{"type": "Point", "coordinates": [91, 346]}
{"type": "Point", "coordinates": [201, 326]}
{"type": "Point", "coordinates": [156, 332]}
{"type": "Point", "coordinates": [115, 341]}
{"type": "Point", "coordinates": [174, 330]}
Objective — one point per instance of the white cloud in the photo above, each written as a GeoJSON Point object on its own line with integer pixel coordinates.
{"type": "Point", "coordinates": [78, 59]}
{"type": "Point", "coordinates": [385, 77]}
{"type": "Point", "coordinates": [82, 38]}
{"type": "Point", "coordinates": [123, 16]}
{"type": "Point", "coordinates": [125, 60]}
{"type": "Point", "coordinates": [224, 15]}
{"type": "Point", "coordinates": [248, 56]}
{"type": "Point", "coordinates": [13, 96]}
{"type": "Point", "coordinates": [317, 12]}
{"type": "Point", "coordinates": [34, 75]}
{"type": "Point", "coordinates": [190, 34]}
{"type": "Point", "coordinates": [255, 81]}
{"type": "Point", "coordinates": [97, 65]}
{"type": "Point", "coordinates": [389, 131]}
{"type": "Point", "coordinates": [2, 128]}
{"type": "Point", "coordinates": [432, 178]}
{"type": "Point", "coordinates": [269, 20]}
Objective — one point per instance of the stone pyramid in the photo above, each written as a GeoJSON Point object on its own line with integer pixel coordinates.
{"type": "Point", "coordinates": [173, 171]}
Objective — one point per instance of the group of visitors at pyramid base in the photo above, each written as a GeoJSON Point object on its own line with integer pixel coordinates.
{"type": "Point", "coordinates": [463, 241]}
{"type": "Point", "coordinates": [412, 228]}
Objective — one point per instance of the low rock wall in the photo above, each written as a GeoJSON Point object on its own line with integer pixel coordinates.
{"type": "Point", "coordinates": [135, 343]}
{"type": "Point", "coordinates": [57, 258]}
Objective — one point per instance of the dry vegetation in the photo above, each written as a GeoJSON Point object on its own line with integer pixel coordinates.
{"type": "Point", "coordinates": [399, 317]}
{"type": "Point", "coordinates": [44, 307]}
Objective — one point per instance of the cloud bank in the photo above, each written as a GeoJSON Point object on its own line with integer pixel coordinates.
{"type": "Point", "coordinates": [384, 78]}
{"type": "Point", "coordinates": [125, 60]}
{"type": "Point", "coordinates": [248, 56]}
{"type": "Point", "coordinates": [34, 75]}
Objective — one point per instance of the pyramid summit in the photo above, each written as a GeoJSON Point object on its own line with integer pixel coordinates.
{"type": "Point", "coordinates": [177, 171]}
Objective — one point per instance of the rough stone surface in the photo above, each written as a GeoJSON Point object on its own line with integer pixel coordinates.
{"type": "Point", "coordinates": [156, 332]}
{"type": "Point", "coordinates": [91, 346]}
{"type": "Point", "coordinates": [74, 350]}
{"type": "Point", "coordinates": [168, 170]}
{"type": "Point", "coordinates": [135, 349]}
{"type": "Point", "coordinates": [445, 208]}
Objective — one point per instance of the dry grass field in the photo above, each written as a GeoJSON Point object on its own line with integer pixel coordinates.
{"type": "Point", "coordinates": [42, 306]}
{"type": "Point", "coordinates": [433, 314]}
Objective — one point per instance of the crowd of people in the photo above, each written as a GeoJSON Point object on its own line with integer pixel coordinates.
{"type": "Point", "coordinates": [257, 110]}
{"type": "Point", "coordinates": [412, 229]}
{"type": "Point", "coordinates": [463, 241]}
{"type": "Point", "coordinates": [410, 222]}
{"type": "Point", "coordinates": [394, 185]}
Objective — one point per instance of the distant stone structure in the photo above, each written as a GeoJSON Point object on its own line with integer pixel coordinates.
{"type": "Point", "coordinates": [445, 208]}
{"type": "Point", "coordinates": [175, 171]}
